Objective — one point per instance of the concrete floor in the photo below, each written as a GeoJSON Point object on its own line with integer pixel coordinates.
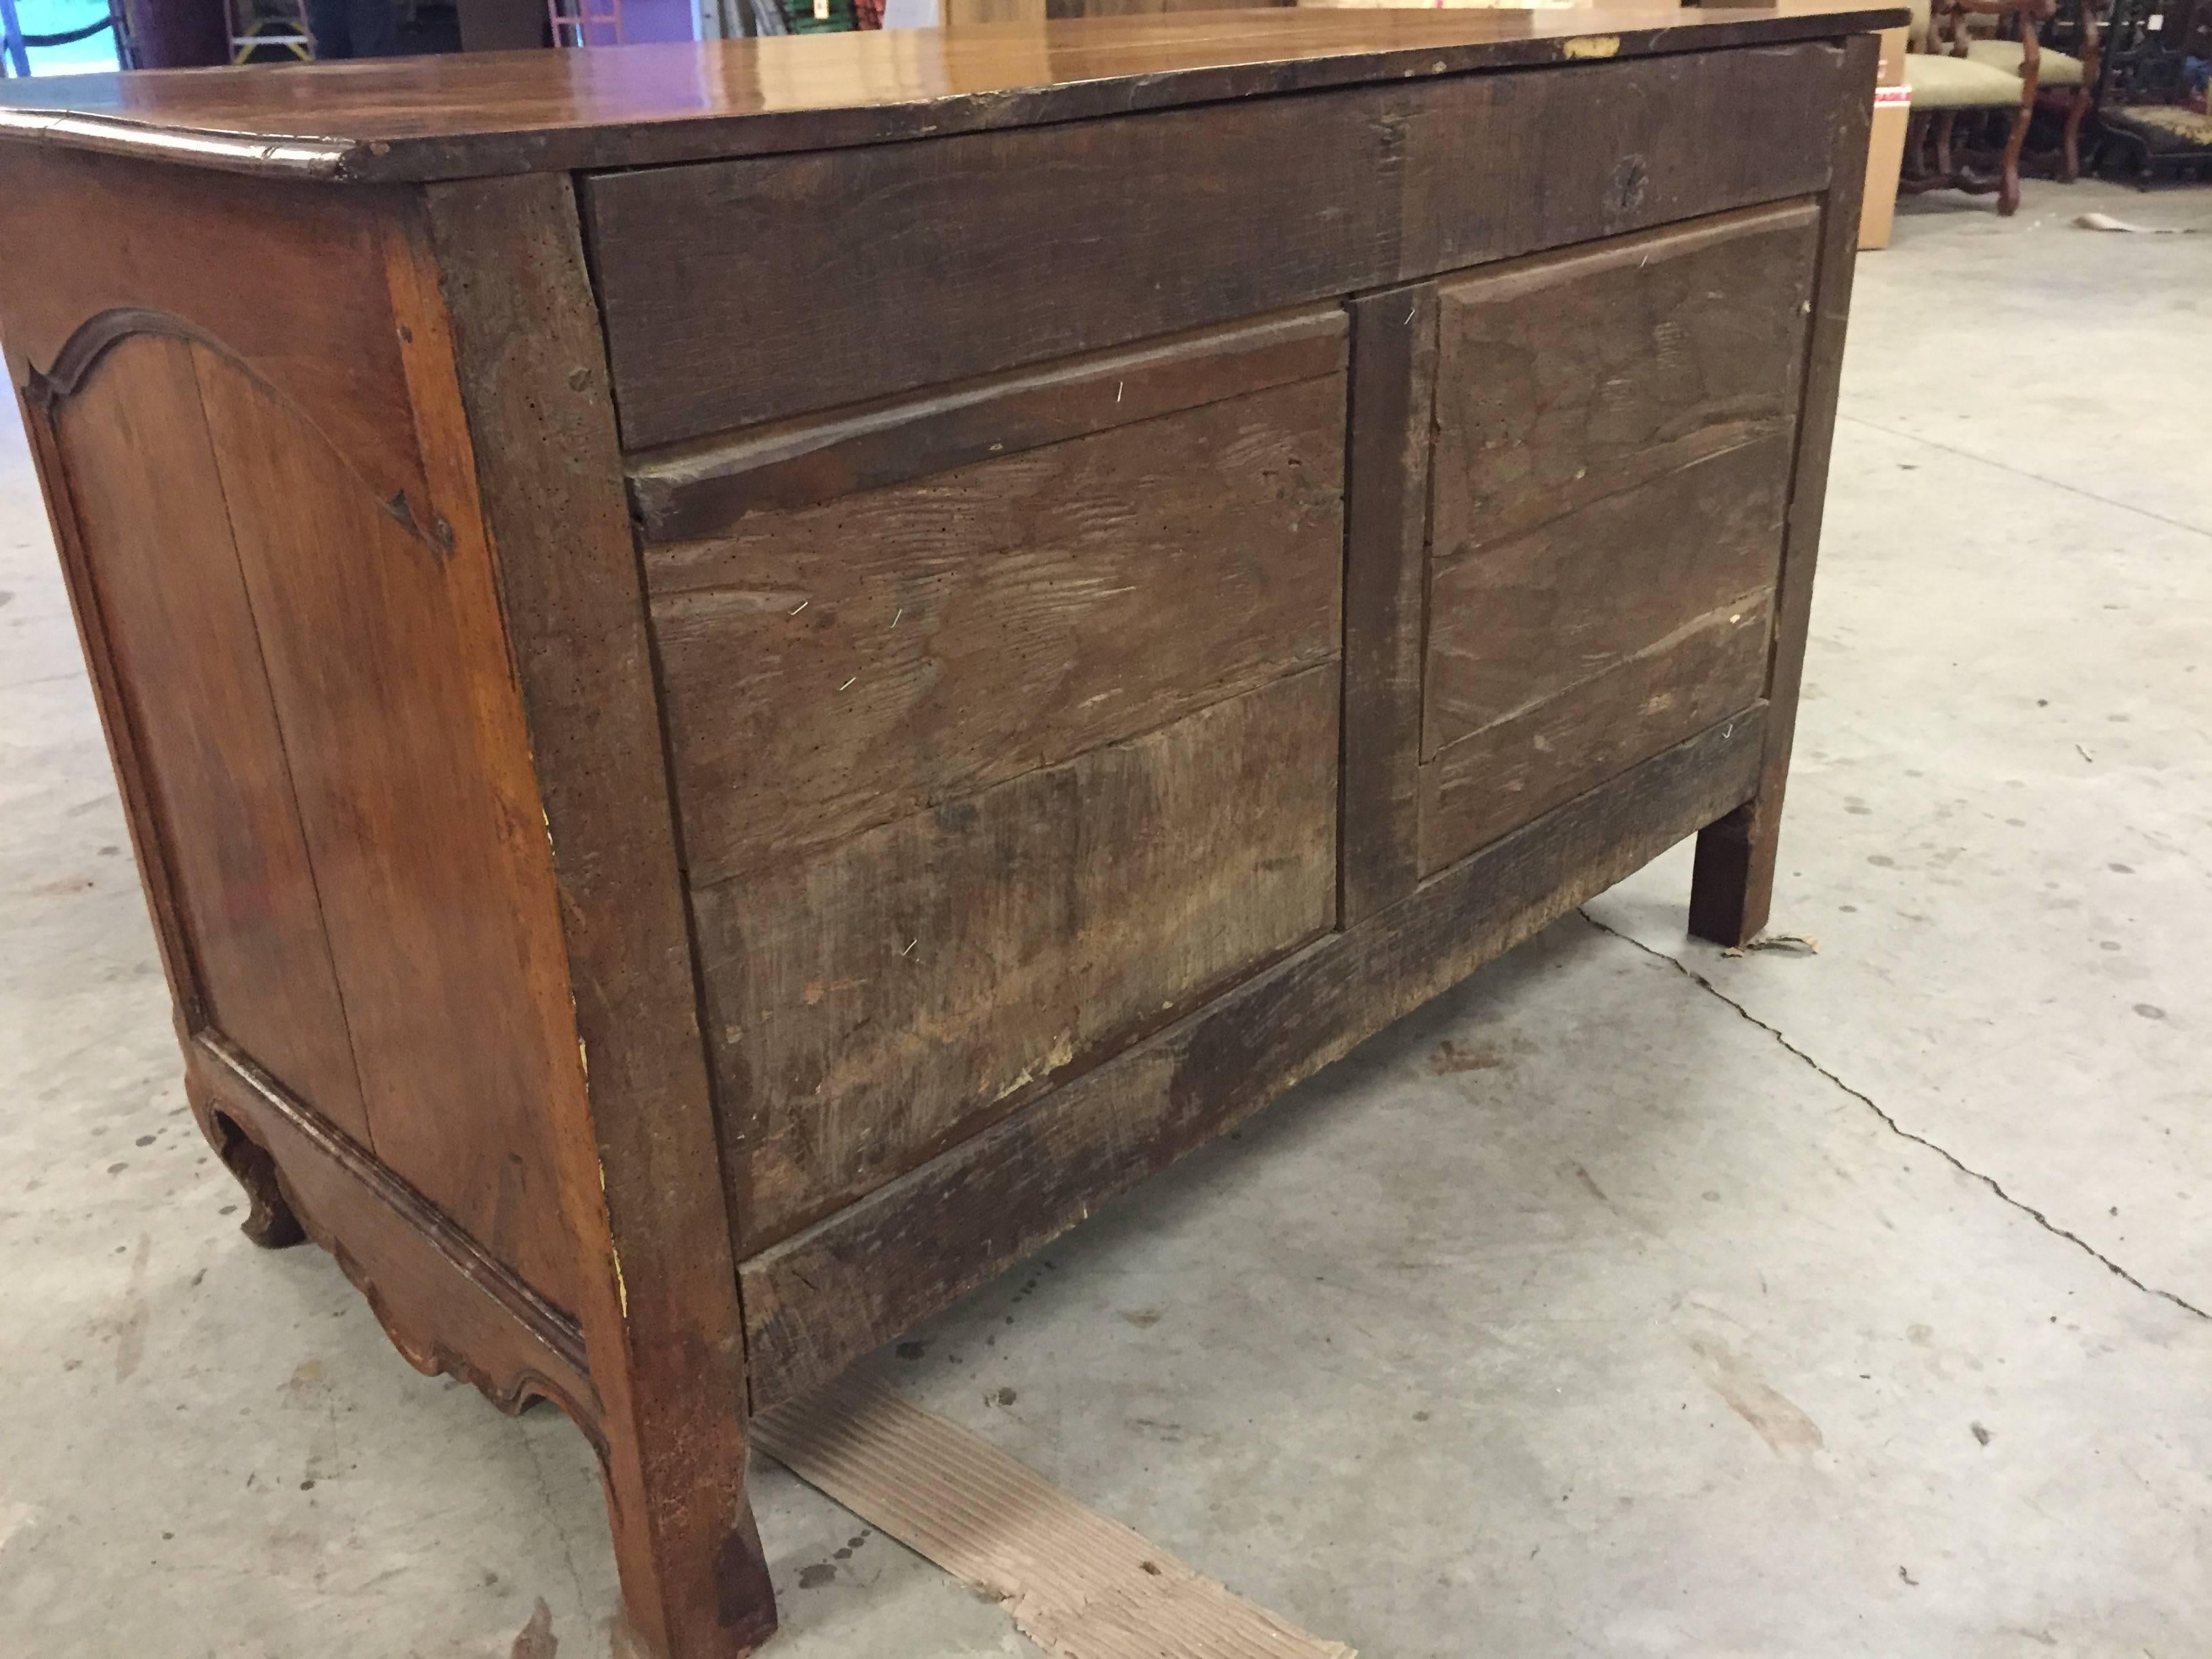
{"type": "Point", "coordinates": [1630, 1300]}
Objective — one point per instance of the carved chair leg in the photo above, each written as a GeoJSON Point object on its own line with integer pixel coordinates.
{"type": "Point", "coordinates": [268, 1221]}
{"type": "Point", "coordinates": [1945, 120]}
{"type": "Point", "coordinates": [2008, 188]}
{"type": "Point", "coordinates": [2069, 166]}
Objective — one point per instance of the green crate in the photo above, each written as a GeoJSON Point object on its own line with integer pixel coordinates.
{"type": "Point", "coordinates": [799, 15]}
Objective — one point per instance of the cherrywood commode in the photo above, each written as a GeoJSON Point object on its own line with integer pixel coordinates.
{"type": "Point", "coordinates": [748, 677]}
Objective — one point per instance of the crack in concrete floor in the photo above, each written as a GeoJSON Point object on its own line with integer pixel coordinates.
{"type": "Point", "coordinates": [2023, 472]}
{"type": "Point", "coordinates": [1895, 1128]}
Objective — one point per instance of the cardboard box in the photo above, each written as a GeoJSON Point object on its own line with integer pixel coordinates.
{"type": "Point", "coordinates": [1893, 108]}
{"type": "Point", "coordinates": [1889, 70]}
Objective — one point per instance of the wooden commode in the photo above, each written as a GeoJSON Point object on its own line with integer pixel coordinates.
{"type": "Point", "coordinates": [749, 677]}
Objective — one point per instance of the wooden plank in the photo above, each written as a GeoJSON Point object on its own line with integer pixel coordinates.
{"type": "Point", "coordinates": [1614, 440]}
{"type": "Point", "coordinates": [375, 675]}
{"type": "Point", "coordinates": [903, 990]}
{"type": "Point", "coordinates": [1732, 890]}
{"type": "Point", "coordinates": [1073, 1581]}
{"type": "Point", "coordinates": [696, 489]}
{"type": "Point", "coordinates": [1506, 774]}
{"type": "Point", "coordinates": [1594, 162]}
{"type": "Point", "coordinates": [473, 114]}
{"type": "Point", "coordinates": [1526, 620]}
{"type": "Point", "coordinates": [499, 297]}
{"type": "Point", "coordinates": [976, 241]}
{"type": "Point", "coordinates": [817, 1302]}
{"type": "Point", "coordinates": [1386, 539]}
{"type": "Point", "coordinates": [165, 593]}
{"type": "Point", "coordinates": [837, 667]}
{"type": "Point", "coordinates": [1572, 377]}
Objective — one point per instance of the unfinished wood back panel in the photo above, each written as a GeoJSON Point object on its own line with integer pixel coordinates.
{"type": "Point", "coordinates": [1614, 428]}
{"type": "Point", "coordinates": [821, 1300]}
{"type": "Point", "coordinates": [1004, 725]}
{"type": "Point", "coordinates": [766, 306]}
{"type": "Point", "coordinates": [1504, 775]}
{"type": "Point", "coordinates": [870, 1007]}
{"type": "Point", "coordinates": [1146, 536]}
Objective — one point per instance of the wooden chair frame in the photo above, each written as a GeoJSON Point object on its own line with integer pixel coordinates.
{"type": "Point", "coordinates": [2089, 47]}
{"type": "Point", "coordinates": [1934, 131]}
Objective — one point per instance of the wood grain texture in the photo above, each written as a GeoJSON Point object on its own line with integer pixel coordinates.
{"type": "Point", "coordinates": [161, 249]}
{"type": "Point", "coordinates": [125, 749]}
{"type": "Point", "coordinates": [818, 1301]}
{"type": "Point", "coordinates": [832, 668]}
{"type": "Point", "coordinates": [309, 441]}
{"type": "Point", "coordinates": [1576, 376]}
{"type": "Point", "coordinates": [1526, 620]}
{"type": "Point", "coordinates": [976, 240]}
{"type": "Point", "coordinates": [378, 684]}
{"type": "Point", "coordinates": [449, 1308]}
{"type": "Point", "coordinates": [373, 671]}
{"type": "Point", "coordinates": [640, 1189]}
{"type": "Point", "coordinates": [1073, 1581]}
{"type": "Point", "coordinates": [909, 987]}
{"type": "Point", "coordinates": [1387, 521]}
{"type": "Point", "coordinates": [689, 491]}
{"type": "Point", "coordinates": [1613, 441]}
{"type": "Point", "coordinates": [472, 114]}
{"type": "Point", "coordinates": [149, 504]}
{"type": "Point", "coordinates": [163, 581]}
{"type": "Point", "coordinates": [1732, 890]}
{"type": "Point", "coordinates": [998, 565]}
{"type": "Point", "coordinates": [1500, 777]}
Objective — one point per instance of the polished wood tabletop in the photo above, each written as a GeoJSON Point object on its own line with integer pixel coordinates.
{"type": "Point", "coordinates": [475, 114]}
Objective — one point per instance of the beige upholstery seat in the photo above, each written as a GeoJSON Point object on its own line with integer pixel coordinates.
{"type": "Point", "coordinates": [1940, 80]}
{"type": "Point", "coordinates": [2052, 68]}
{"type": "Point", "coordinates": [1946, 82]}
